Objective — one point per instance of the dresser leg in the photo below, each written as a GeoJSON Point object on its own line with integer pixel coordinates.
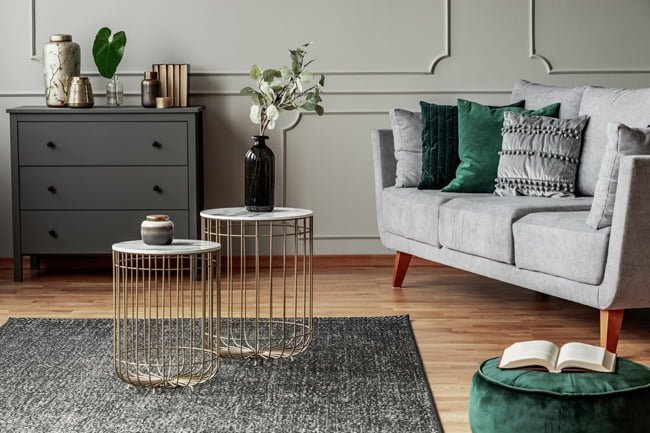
{"type": "Point", "coordinates": [34, 263]}
{"type": "Point", "coordinates": [18, 268]}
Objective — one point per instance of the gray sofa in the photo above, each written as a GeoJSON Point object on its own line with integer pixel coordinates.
{"type": "Point", "coordinates": [542, 244]}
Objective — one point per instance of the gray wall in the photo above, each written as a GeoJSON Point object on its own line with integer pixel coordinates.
{"type": "Point", "coordinates": [378, 54]}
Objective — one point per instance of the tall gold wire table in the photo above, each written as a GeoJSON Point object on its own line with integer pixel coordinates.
{"type": "Point", "coordinates": [267, 301]}
{"type": "Point", "coordinates": [166, 312]}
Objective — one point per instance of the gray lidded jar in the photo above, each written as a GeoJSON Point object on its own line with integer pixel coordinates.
{"type": "Point", "coordinates": [157, 230]}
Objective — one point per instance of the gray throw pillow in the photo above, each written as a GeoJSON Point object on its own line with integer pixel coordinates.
{"type": "Point", "coordinates": [407, 135]}
{"type": "Point", "coordinates": [621, 140]}
{"type": "Point", "coordinates": [539, 156]}
{"type": "Point", "coordinates": [541, 95]}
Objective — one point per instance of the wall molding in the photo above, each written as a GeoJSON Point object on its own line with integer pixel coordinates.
{"type": "Point", "coordinates": [551, 70]}
{"type": "Point", "coordinates": [283, 146]}
{"type": "Point", "coordinates": [217, 73]}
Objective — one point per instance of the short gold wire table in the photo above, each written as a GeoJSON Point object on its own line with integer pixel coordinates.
{"type": "Point", "coordinates": [166, 312]}
{"type": "Point", "coordinates": [267, 304]}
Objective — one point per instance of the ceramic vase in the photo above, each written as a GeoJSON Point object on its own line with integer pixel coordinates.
{"type": "Point", "coordinates": [259, 168]}
{"type": "Point", "coordinates": [157, 230]}
{"type": "Point", "coordinates": [61, 61]}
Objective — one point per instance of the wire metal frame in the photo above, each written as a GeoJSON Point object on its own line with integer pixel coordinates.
{"type": "Point", "coordinates": [166, 317]}
{"type": "Point", "coordinates": [267, 304]}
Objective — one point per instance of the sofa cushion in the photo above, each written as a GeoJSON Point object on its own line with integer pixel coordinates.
{"type": "Point", "coordinates": [560, 244]}
{"type": "Point", "coordinates": [631, 107]}
{"type": "Point", "coordinates": [482, 226]}
{"type": "Point", "coordinates": [413, 213]}
{"type": "Point", "coordinates": [439, 145]}
{"type": "Point", "coordinates": [539, 156]}
{"type": "Point", "coordinates": [540, 95]}
{"type": "Point", "coordinates": [479, 141]}
{"type": "Point", "coordinates": [407, 136]}
{"type": "Point", "coordinates": [622, 140]}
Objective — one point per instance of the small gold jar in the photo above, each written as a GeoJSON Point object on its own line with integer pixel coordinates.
{"type": "Point", "coordinates": [80, 94]}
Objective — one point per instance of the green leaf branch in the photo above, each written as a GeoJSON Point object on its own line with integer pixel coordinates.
{"type": "Point", "coordinates": [108, 52]}
{"type": "Point", "coordinates": [284, 89]}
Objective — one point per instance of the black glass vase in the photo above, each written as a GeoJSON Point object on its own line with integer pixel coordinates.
{"type": "Point", "coordinates": [259, 168]}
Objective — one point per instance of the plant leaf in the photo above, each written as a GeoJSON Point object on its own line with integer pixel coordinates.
{"type": "Point", "coordinates": [248, 91]}
{"type": "Point", "coordinates": [319, 110]}
{"type": "Point", "coordinates": [108, 52]}
{"type": "Point", "coordinates": [306, 76]}
{"type": "Point", "coordinates": [321, 82]}
{"type": "Point", "coordinates": [309, 106]}
{"type": "Point", "coordinates": [255, 72]}
{"type": "Point", "coordinates": [270, 74]}
{"type": "Point", "coordinates": [286, 72]}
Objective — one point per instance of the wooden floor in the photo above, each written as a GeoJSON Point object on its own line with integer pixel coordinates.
{"type": "Point", "coordinates": [459, 318]}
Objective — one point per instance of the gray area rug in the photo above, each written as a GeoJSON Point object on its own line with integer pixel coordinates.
{"type": "Point", "coordinates": [360, 375]}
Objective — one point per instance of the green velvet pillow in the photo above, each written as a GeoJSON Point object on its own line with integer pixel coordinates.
{"type": "Point", "coordinates": [479, 141]}
{"type": "Point", "coordinates": [440, 144]}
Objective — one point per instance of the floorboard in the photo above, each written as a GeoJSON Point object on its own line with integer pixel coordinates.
{"type": "Point", "coordinates": [459, 318]}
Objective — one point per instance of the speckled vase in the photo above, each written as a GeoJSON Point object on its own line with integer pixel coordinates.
{"type": "Point", "coordinates": [157, 230]}
{"type": "Point", "coordinates": [61, 61]}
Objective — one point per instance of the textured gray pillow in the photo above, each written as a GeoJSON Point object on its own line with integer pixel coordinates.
{"type": "Point", "coordinates": [541, 95]}
{"type": "Point", "coordinates": [407, 134]}
{"type": "Point", "coordinates": [621, 140]}
{"type": "Point", "coordinates": [539, 156]}
{"type": "Point", "coordinates": [631, 107]}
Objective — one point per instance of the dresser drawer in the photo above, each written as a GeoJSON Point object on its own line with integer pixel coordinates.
{"type": "Point", "coordinates": [102, 143]}
{"type": "Point", "coordinates": [47, 188]}
{"type": "Point", "coordinates": [87, 232]}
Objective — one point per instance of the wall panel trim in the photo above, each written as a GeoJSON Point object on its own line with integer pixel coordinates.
{"type": "Point", "coordinates": [550, 70]}
{"type": "Point", "coordinates": [432, 65]}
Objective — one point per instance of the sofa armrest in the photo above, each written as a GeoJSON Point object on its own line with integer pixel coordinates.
{"type": "Point", "coordinates": [384, 163]}
{"type": "Point", "coordinates": [627, 273]}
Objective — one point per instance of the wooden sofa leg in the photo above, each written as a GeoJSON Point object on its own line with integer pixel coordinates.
{"type": "Point", "coordinates": [402, 261]}
{"type": "Point", "coordinates": [610, 328]}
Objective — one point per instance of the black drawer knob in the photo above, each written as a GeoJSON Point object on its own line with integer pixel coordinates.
{"type": "Point", "coordinates": [50, 144]}
{"type": "Point", "coordinates": [157, 189]}
{"type": "Point", "coordinates": [156, 144]}
{"type": "Point", "coordinates": [51, 189]}
{"type": "Point", "coordinates": [53, 234]}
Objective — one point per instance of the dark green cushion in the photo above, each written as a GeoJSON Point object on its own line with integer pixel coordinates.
{"type": "Point", "coordinates": [529, 401]}
{"type": "Point", "coordinates": [440, 144]}
{"type": "Point", "coordinates": [479, 141]}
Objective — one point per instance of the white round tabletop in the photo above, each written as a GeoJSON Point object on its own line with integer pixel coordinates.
{"type": "Point", "coordinates": [178, 246]}
{"type": "Point", "coordinates": [241, 214]}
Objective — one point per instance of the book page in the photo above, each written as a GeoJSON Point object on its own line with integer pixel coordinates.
{"type": "Point", "coordinates": [582, 355]}
{"type": "Point", "coordinates": [529, 353]}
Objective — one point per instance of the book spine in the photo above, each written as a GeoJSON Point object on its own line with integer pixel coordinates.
{"type": "Point", "coordinates": [184, 85]}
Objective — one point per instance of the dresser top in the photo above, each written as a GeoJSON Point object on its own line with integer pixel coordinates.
{"type": "Point", "coordinates": [41, 109]}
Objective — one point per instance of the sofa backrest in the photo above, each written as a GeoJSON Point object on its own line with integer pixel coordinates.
{"type": "Point", "coordinates": [631, 107]}
{"type": "Point", "coordinates": [541, 95]}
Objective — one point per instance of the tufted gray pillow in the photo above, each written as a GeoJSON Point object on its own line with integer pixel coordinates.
{"type": "Point", "coordinates": [621, 140]}
{"type": "Point", "coordinates": [539, 156]}
{"type": "Point", "coordinates": [407, 135]}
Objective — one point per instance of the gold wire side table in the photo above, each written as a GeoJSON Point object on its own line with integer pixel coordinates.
{"type": "Point", "coordinates": [267, 304]}
{"type": "Point", "coordinates": [166, 312]}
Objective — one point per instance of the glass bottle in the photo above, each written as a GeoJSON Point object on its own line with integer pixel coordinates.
{"type": "Point", "coordinates": [114, 92]}
{"type": "Point", "coordinates": [259, 168]}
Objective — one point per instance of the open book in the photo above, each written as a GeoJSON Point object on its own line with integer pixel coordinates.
{"type": "Point", "coordinates": [571, 356]}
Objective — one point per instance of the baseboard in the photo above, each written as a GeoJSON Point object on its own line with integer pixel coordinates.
{"type": "Point", "coordinates": [104, 261]}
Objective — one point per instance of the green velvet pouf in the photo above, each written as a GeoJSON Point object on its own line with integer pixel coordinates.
{"type": "Point", "coordinates": [530, 401]}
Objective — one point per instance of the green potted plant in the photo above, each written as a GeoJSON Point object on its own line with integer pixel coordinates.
{"type": "Point", "coordinates": [107, 53]}
{"type": "Point", "coordinates": [277, 90]}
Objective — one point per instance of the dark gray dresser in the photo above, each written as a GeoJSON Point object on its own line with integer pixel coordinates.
{"type": "Point", "coordinates": [83, 179]}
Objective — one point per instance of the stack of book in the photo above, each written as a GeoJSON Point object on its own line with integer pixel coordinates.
{"type": "Point", "coordinates": [173, 82]}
